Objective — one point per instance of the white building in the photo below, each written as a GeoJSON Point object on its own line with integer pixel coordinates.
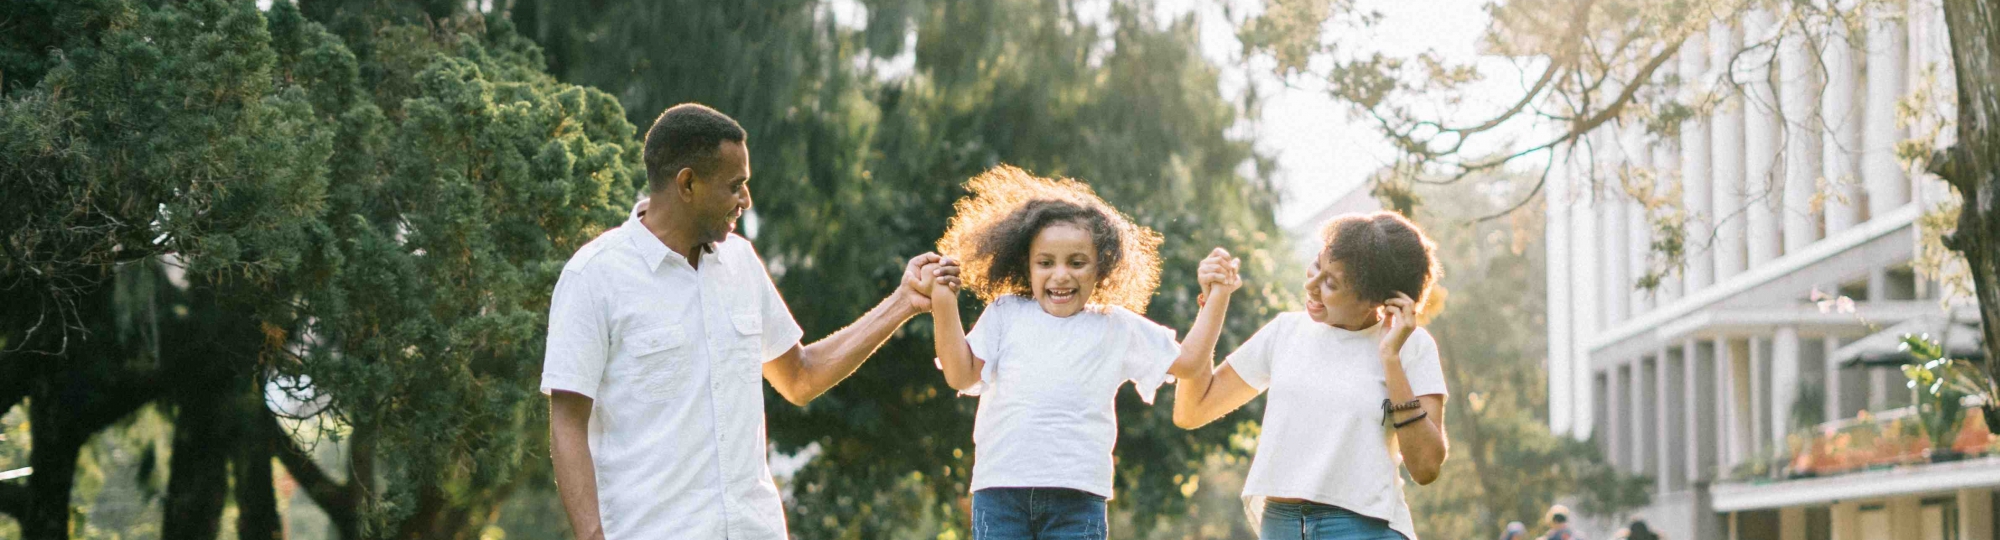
{"type": "Point", "coordinates": [1696, 384]}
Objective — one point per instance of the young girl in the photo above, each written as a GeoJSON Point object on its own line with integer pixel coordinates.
{"type": "Point", "coordinates": [1065, 278]}
{"type": "Point", "coordinates": [1355, 387]}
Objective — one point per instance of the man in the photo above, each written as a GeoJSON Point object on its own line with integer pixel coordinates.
{"type": "Point", "coordinates": [659, 331]}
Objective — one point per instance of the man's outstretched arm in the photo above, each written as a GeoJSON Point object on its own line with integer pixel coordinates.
{"type": "Point", "coordinates": [576, 475]}
{"type": "Point", "coordinates": [805, 372]}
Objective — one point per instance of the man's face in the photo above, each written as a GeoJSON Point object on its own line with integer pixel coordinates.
{"type": "Point", "coordinates": [721, 194]}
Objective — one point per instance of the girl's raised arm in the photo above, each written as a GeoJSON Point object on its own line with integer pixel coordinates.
{"type": "Point", "coordinates": [961, 368]}
{"type": "Point", "coordinates": [1196, 400]}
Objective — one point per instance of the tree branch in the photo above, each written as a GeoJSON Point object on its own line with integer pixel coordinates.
{"type": "Point", "coordinates": [333, 497]}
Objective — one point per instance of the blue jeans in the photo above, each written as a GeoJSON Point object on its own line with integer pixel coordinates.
{"type": "Point", "coordinates": [1314, 521]}
{"type": "Point", "coordinates": [1037, 514]}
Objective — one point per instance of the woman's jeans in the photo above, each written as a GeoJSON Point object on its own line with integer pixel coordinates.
{"type": "Point", "coordinates": [1313, 521]}
{"type": "Point", "coordinates": [1037, 514]}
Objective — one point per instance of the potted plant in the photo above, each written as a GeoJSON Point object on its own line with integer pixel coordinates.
{"type": "Point", "coordinates": [1942, 389]}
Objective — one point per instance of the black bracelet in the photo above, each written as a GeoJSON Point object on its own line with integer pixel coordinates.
{"type": "Point", "coordinates": [1413, 419]}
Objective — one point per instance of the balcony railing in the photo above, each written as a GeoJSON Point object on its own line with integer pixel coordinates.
{"type": "Point", "coordinates": [1889, 439]}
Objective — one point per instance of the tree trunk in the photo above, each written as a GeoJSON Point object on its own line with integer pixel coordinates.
{"type": "Point", "coordinates": [198, 477]}
{"type": "Point", "coordinates": [54, 460]}
{"type": "Point", "coordinates": [256, 499]}
{"type": "Point", "coordinates": [1972, 165]}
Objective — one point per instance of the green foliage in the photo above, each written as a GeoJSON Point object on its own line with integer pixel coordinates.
{"type": "Point", "coordinates": [390, 221]}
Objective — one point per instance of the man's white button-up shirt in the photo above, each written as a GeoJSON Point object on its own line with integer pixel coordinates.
{"type": "Point", "coordinates": [673, 358]}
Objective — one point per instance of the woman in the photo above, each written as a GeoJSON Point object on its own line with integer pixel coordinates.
{"type": "Point", "coordinates": [1356, 390]}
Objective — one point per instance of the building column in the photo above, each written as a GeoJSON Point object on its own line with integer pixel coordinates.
{"type": "Point", "coordinates": [1638, 229]}
{"type": "Point", "coordinates": [1587, 306]}
{"type": "Point", "coordinates": [1734, 366]}
{"type": "Point", "coordinates": [1667, 165]}
{"type": "Point", "coordinates": [1798, 80]}
{"type": "Point", "coordinates": [1617, 452]}
{"type": "Point", "coordinates": [1834, 384]}
{"type": "Point", "coordinates": [1700, 409]}
{"type": "Point", "coordinates": [1638, 446]}
{"type": "Point", "coordinates": [1760, 388]}
{"type": "Point", "coordinates": [1888, 48]}
{"type": "Point", "coordinates": [1670, 395]}
{"type": "Point", "coordinates": [1975, 513]}
{"type": "Point", "coordinates": [1617, 281]}
{"type": "Point", "coordinates": [1792, 523]}
{"type": "Point", "coordinates": [1841, 144]}
{"type": "Point", "coordinates": [1726, 151]}
{"type": "Point", "coordinates": [1699, 271]}
{"type": "Point", "coordinates": [1763, 193]}
{"type": "Point", "coordinates": [1784, 383]}
{"type": "Point", "coordinates": [1556, 237]}
{"type": "Point", "coordinates": [1846, 520]}
{"type": "Point", "coordinates": [1905, 518]}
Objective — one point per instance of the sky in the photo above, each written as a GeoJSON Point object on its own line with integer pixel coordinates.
{"type": "Point", "coordinates": [1323, 152]}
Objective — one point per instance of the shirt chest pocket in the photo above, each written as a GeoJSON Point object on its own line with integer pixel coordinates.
{"type": "Point", "coordinates": [655, 361]}
{"type": "Point", "coordinates": [748, 358]}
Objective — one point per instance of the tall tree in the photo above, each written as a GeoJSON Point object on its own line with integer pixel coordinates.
{"type": "Point", "coordinates": [378, 232]}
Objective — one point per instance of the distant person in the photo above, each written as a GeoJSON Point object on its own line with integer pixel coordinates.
{"type": "Point", "coordinates": [1639, 530]}
{"type": "Point", "coordinates": [1515, 531]}
{"type": "Point", "coordinates": [1558, 522]}
{"type": "Point", "coordinates": [1351, 376]}
{"type": "Point", "coordinates": [661, 334]}
{"type": "Point", "coordinates": [1065, 278]}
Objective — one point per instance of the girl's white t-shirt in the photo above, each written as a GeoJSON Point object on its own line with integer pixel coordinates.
{"type": "Point", "coordinates": [1047, 414]}
{"type": "Point", "coordinates": [1323, 439]}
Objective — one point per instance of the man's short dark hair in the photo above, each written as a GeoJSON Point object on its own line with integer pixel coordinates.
{"type": "Point", "coordinates": [686, 136]}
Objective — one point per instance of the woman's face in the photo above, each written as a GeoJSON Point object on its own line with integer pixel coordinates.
{"type": "Point", "coordinates": [1329, 299]}
{"type": "Point", "coordinates": [1062, 268]}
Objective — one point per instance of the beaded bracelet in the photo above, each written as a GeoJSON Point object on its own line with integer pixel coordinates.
{"type": "Point", "coordinates": [1389, 408]}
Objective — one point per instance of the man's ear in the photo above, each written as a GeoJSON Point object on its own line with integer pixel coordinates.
{"type": "Point", "coordinates": [683, 184]}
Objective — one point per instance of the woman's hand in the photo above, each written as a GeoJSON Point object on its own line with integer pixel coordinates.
{"type": "Point", "coordinates": [1400, 316]}
{"type": "Point", "coordinates": [1218, 274]}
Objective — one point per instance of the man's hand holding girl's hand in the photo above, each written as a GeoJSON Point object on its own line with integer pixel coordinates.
{"type": "Point", "coordinates": [925, 272]}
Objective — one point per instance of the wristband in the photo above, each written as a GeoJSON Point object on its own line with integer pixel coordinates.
{"type": "Point", "coordinates": [1389, 408]}
{"type": "Point", "coordinates": [1413, 419]}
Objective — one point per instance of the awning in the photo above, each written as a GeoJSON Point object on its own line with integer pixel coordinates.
{"type": "Point", "coordinates": [1961, 338]}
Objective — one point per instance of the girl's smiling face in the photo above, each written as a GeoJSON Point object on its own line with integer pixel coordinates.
{"type": "Point", "coordinates": [1329, 299]}
{"type": "Point", "coordinates": [1062, 268]}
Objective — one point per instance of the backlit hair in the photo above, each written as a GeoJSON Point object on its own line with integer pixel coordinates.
{"type": "Point", "coordinates": [995, 224]}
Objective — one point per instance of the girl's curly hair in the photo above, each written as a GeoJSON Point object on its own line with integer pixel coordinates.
{"type": "Point", "coordinates": [994, 226]}
{"type": "Point", "coordinates": [1384, 254]}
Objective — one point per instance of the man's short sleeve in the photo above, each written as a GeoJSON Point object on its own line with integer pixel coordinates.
{"type": "Point", "coordinates": [1252, 361]}
{"type": "Point", "coordinates": [579, 341]}
{"type": "Point", "coordinates": [781, 331]}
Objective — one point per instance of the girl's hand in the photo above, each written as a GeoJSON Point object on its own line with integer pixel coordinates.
{"type": "Point", "coordinates": [1218, 273]}
{"type": "Point", "coordinates": [1400, 316]}
{"type": "Point", "coordinates": [922, 272]}
{"type": "Point", "coordinates": [945, 274]}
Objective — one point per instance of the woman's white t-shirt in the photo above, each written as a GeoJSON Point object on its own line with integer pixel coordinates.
{"type": "Point", "coordinates": [1047, 415]}
{"type": "Point", "coordinates": [1323, 439]}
